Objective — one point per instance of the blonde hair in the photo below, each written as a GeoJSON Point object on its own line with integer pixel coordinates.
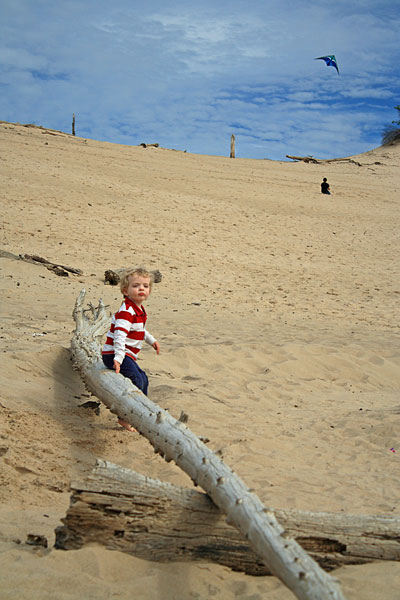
{"type": "Point", "coordinates": [141, 271]}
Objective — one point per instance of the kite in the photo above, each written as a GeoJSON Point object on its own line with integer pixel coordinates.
{"type": "Point", "coordinates": [330, 61]}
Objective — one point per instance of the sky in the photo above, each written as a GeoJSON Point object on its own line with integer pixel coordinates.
{"type": "Point", "coordinates": [188, 75]}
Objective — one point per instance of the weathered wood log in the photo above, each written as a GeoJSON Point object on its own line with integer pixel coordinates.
{"type": "Point", "coordinates": [320, 161]}
{"type": "Point", "coordinates": [57, 268]}
{"type": "Point", "coordinates": [306, 159]}
{"type": "Point", "coordinates": [38, 260]}
{"type": "Point", "coordinates": [113, 276]}
{"type": "Point", "coordinates": [126, 511]}
{"type": "Point", "coordinates": [174, 441]}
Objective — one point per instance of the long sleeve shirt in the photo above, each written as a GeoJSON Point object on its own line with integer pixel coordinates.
{"type": "Point", "coordinates": [127, 332]}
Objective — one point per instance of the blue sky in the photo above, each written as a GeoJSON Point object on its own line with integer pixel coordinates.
{"type": "Point", "coordinates": [189, 74]}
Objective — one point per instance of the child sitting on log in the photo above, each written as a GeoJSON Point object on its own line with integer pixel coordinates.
{"type": "Point", "coordinates": [127, 331]}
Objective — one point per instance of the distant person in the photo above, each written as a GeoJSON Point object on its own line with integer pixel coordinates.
{"type": "Point", "coordinates": [325, 187]}
{"type": "Point", "coordinates": [128, 332]}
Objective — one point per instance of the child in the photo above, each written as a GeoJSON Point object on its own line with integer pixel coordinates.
{"type": "Point", "coordinates": [325, 187]}
{"type": "Point", "coordinates": [127, 331]}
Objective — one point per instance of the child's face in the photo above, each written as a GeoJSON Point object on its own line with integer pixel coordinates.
{"type": "Point", "coordinates": [138, 289]}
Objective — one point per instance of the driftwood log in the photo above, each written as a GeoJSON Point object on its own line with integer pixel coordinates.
{"type": "Point", "coordinates": [158, 521]}
{"type": "Point", "coordinates": [172, 439]}
{"type": "Point", "coordinates": [113, 276]}
{"type": "Point", "coordinates": [38, 260]}
{"type": "Point", "coordinates": [55, 267]}
{"type": "Point", "coordinates": [320, 161]}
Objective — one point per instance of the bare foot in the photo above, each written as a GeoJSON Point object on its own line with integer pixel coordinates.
{"type": "Point", "coordinates": [126, 425]}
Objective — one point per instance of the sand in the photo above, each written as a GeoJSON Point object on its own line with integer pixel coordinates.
{"type": "Point", "coordinates": [277, 317]}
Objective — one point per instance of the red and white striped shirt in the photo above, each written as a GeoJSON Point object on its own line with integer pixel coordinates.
{"type": "Point", "coordinates": [127, 332]}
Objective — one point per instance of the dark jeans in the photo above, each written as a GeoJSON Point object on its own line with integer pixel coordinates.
{"type": "Point", "coordinates": [130, 369]}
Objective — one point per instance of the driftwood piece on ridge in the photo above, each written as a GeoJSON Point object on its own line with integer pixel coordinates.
{"type": "Point", "coordinates": [153, 520]}
{"type": "Point", "coordinates": [320, 161]}
{"type": "Point", "coordinates": [113, 276]}
{"type": "Point", "coordinates": [174, 441]}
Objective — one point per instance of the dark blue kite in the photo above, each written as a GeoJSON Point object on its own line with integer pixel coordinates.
{"type": "Point", "coordinates": [330, 61]}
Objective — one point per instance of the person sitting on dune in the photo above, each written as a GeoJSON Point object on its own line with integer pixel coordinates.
{"type": "Point", "coordinates": [325, 189]}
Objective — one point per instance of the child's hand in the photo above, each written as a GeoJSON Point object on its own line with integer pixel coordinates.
{"type": "Point", "coordinates": [117, 366]}
{"type": "Point", "coordinates": [156, 347]}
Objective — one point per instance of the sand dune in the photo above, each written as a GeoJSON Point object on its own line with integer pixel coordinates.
{"type": "Point", "coordinates": [278, 321]}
